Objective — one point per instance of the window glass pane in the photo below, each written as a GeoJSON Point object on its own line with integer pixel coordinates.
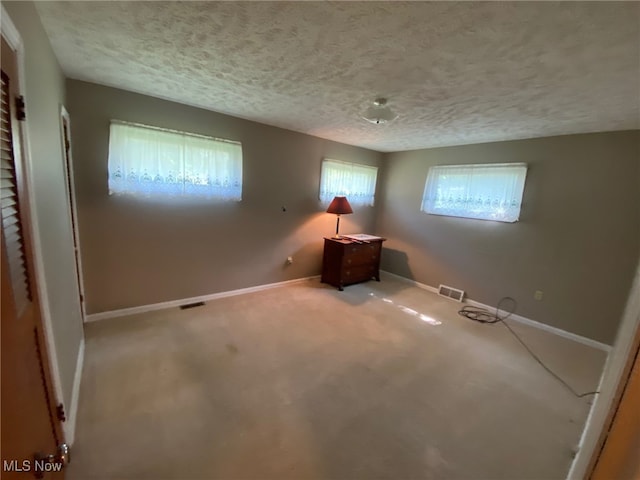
{"type": "Point", "coordinates": [354, 181]}
{"type": "Point", "coordinates": [148, 161]}
{"type": "Point", "coordinates": [487, 192]}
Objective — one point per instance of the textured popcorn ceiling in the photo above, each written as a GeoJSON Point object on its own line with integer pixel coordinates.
{"type": "Point", "coordinates": [456, 73]}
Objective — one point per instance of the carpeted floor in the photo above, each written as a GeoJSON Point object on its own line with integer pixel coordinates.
{"type": "Point", "coordinates": [305, 382]}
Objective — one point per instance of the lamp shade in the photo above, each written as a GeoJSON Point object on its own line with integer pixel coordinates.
{"type": "Point", "coordinates": [339, 206]}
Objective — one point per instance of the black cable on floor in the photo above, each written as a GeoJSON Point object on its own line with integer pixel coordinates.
{"type": "Point", "coordinates": [484, 316]}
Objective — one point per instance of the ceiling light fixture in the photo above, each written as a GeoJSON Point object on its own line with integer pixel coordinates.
{"type": "Point", "coordinates": [379, 113]}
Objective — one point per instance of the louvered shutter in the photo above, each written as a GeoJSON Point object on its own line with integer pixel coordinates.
{"type": "Point", "coordinates": [11, 223]}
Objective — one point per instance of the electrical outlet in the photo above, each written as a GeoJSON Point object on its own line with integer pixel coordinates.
{"type": "Point", "coordinates": [289, 260]}
{"type": "Point", "coordinates": [538, 295]}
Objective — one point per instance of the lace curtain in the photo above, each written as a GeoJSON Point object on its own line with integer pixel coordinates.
{"type": "Point", "coordinates": [487, 192]}
{"type": "Point", "coordinates": [356, 182]}
{"type": "Point", "coordinates": [154, 162]}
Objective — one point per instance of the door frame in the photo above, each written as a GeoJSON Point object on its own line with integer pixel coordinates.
{"type": "Point", "coordinates": [13, 38]}
{"type": "Point", "coordinates": [615, 458]}
{"type": "Point", "coordinates": [614, 375]}
{"type": "Point", "coordinates": [72, 204]}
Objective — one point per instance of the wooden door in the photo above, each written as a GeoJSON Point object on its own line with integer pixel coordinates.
{"type": "Point", "coordinates": [30, 429]}
{"type": "Point", "coordinates": [619, 458]}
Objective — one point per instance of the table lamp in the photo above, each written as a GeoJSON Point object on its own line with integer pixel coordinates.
{"type": "Point", "coordinates": [339, 206]}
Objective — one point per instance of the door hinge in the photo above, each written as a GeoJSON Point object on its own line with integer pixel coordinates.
{"type": "Point", "coordinates": [60, 413]}
{"type": "Point", "coordinates": [20, 108]}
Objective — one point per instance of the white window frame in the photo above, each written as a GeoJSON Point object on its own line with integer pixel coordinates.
{"type": "Point", "coordinates": [158, 162]}
{"type": "Point", "coordinates": [355, 181]}
{"type": "Point", "coordinates": [490, 191]}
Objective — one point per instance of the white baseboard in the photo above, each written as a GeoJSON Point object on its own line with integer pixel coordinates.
{"type": "Point", "coordinates": [543, 326]}
{"type": "Point", "coordinates": [518, 318]}
{"type": "Point", "coordinates": [72, 414]}
{"type": "Point", "coordinates": [176, 303]}
{"type": "Point", "coordinates": [424, 286]}
{"type": "Point", "coordinates": [203, 298]}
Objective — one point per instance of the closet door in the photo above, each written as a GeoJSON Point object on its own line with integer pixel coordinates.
{"type": "Point", "coordinates": [31, 437]}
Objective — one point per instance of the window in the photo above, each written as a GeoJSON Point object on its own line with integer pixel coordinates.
{"type": "Point", "coordinates": [487, 192]}
{"type": "Point", "coordinates": [156, 162]}
{"type": "Point", "coordinates": [356, 182]}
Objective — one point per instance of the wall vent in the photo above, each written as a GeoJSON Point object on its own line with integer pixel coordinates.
{"type": "Point", "coordinates": [450, 292]}
{"type": "Point", "coordinates": [191, 305]}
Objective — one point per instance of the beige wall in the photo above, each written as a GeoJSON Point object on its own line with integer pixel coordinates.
{"type": "Point", "coordinates": [138, 252]}
{"type": "Point", "coordinates": [577, 240]}
{"type": "Point", "coordinates": [45, 93]}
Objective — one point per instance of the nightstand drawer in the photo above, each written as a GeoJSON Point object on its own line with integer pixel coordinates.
{"type": "Point", "coordinates": [361, 254]}
{"type": "Point", "coordinates": [358, 273]}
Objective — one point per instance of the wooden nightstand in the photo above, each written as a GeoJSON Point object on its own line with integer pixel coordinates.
{"type": "Point", "coordinates": [346, 261]}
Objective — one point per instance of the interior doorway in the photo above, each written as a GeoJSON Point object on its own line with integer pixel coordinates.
{"type": "Point", "coordinates": [65, 123]}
